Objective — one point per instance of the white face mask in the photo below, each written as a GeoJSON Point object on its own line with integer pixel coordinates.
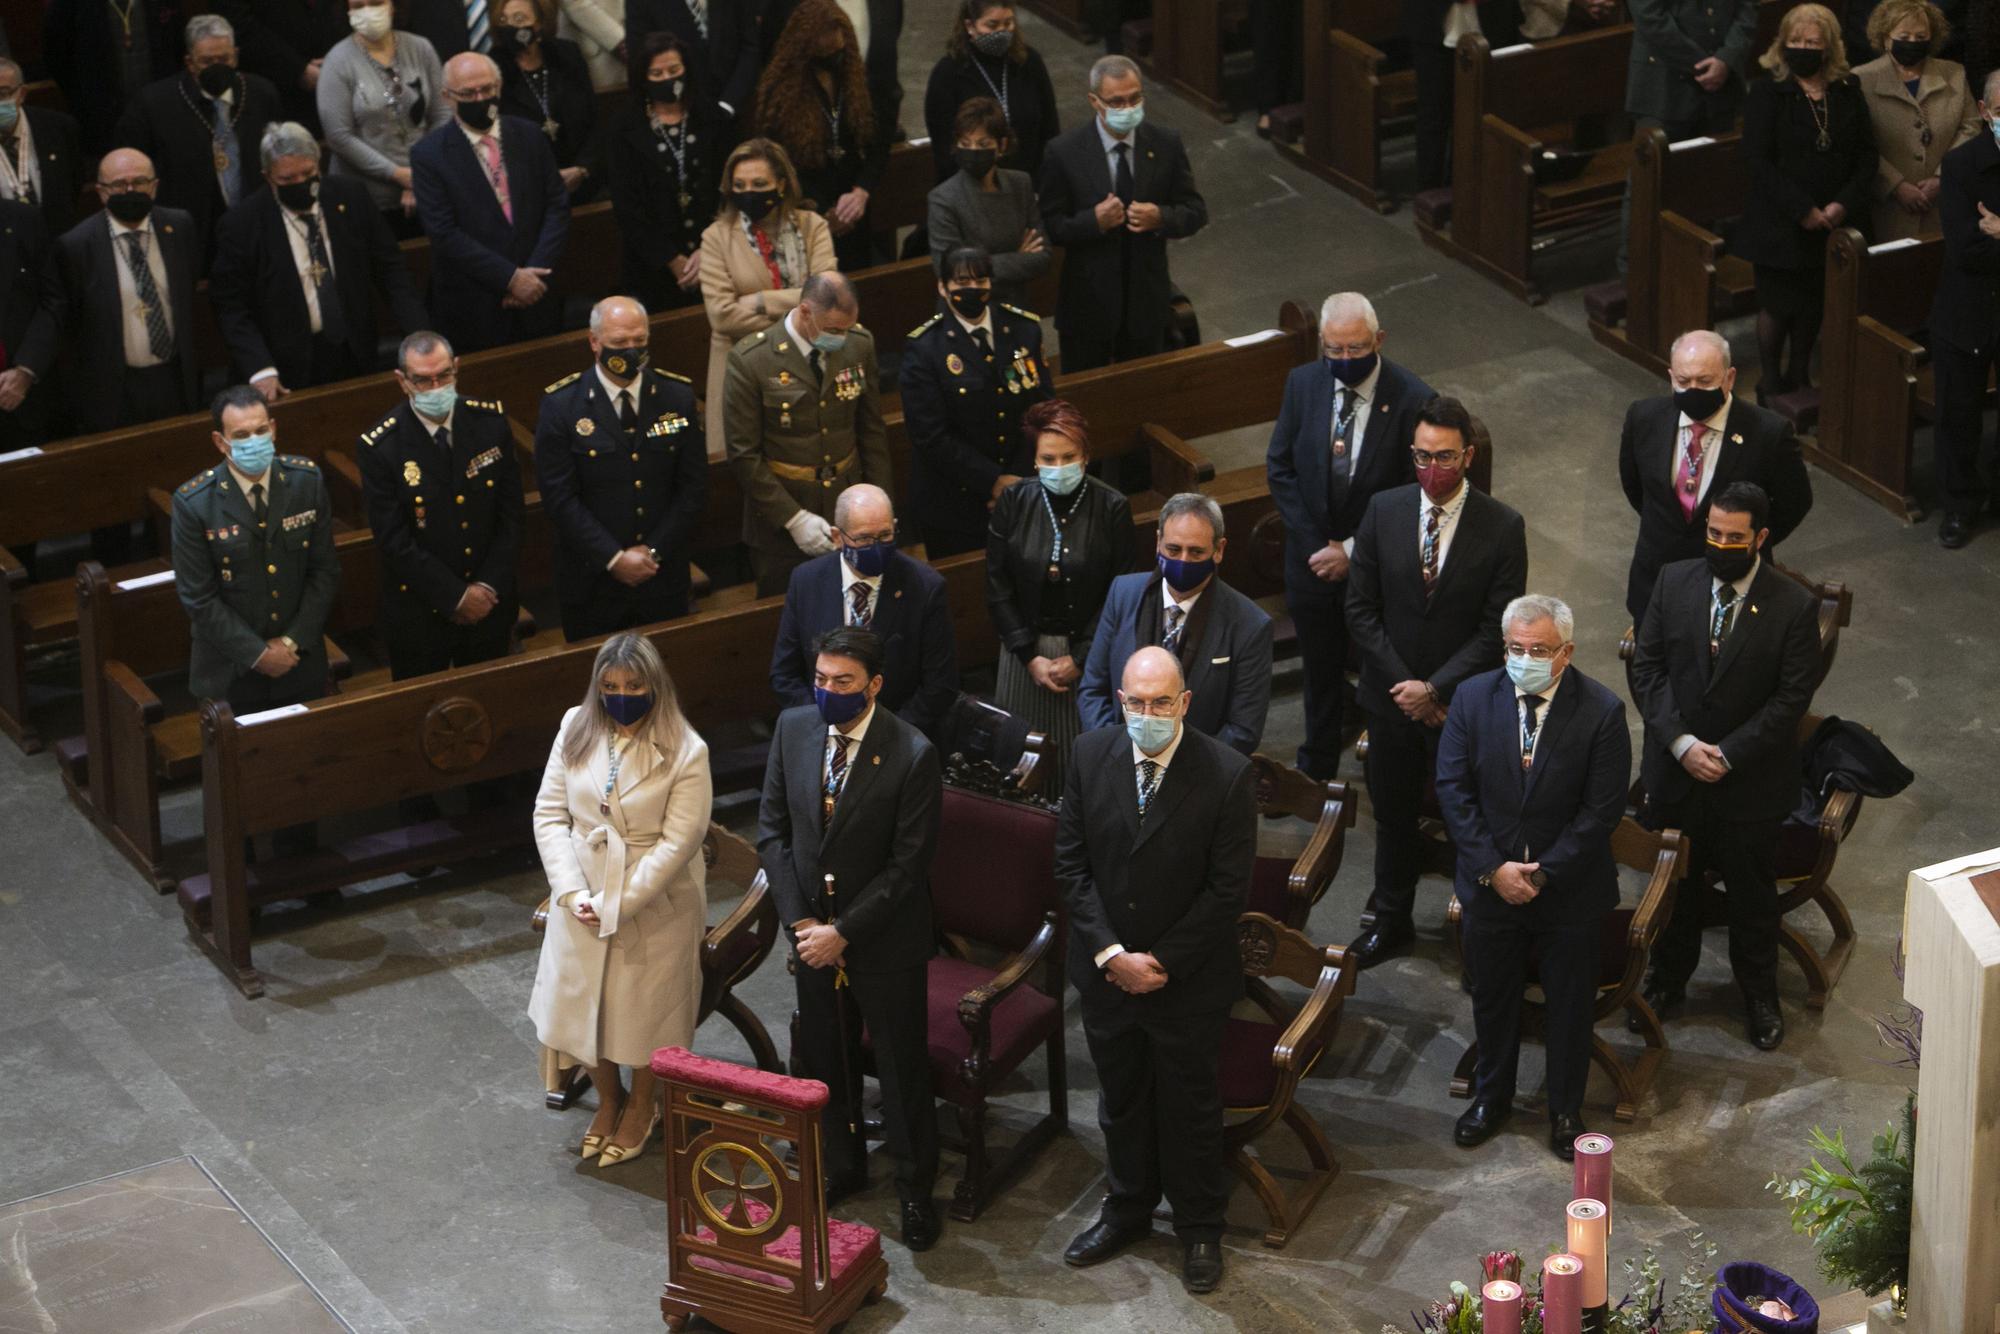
{"type": "Point", "coordinates": [371, 21]}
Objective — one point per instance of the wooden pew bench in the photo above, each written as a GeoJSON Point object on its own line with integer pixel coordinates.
{"type": "Point", "coordinates": [1191, 39]}
{"type": "Point", "coordinates": [1356, 94]}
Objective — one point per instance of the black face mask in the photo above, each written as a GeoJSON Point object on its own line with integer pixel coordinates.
{"type": "Point", "coordinates": [299, 195]}
{"type": "Point", "coordinates": [975, 162]}
{"type": "Point", "coordinates": [970, 302]}
{"type": "Point", "coordinates": [622, 363]}
{"type": "Point", "coordinates": [1699, 404]}
{"type": "Point", "coordinates": [993, 45]}
{"type": "Point", "coordinates": [755, 205]}
{"type": "Point", "coordinates": [522, 38]}
{"type": "Point", "coordinates": [129, 206]}
{"type": "Point", "coordinates": [479, 114]}
{"type": "Point", "coordinates": [1728, 563]}
{"type": "Point", "coordinates": [1804, 61]}
{"type": "Point", "coordinates": [215, 80]}
{"type": "Point", "coordinates": [1910, 52]}
{"type": "Point", "coordinates": [665, 91]}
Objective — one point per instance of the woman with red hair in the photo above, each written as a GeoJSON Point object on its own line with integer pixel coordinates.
{"type": "Point", "coordinates": [814, 100]}
{"type": "Point", "coordinates": [1056, 542]}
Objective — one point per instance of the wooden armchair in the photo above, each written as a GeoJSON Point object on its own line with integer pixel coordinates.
{"type": "Point", "coordinates": [1264, 1059]}
{"type": "Point", "coordinates": [733, 949]}
{"type": "Point", "coordinates": [1627, 947]}
{"type": "Point", "coordinates": [1836, 609]}
{"type": "Point", "coordinates": [749, 1245]}
{"type": "Point", "coordinates": [988, 749]}
{"type": "Point", "coordinates": [1287, 889]}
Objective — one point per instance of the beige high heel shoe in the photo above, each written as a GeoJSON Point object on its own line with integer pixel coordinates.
{"type": "Point", "coordinates": [617, 1153]}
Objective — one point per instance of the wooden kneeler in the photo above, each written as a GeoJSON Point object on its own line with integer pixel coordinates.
{"type": "Point", "coordinates": [749, 1246]}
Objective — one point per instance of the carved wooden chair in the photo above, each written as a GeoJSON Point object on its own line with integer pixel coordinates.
{"type": "Point", "coordinates": [989, 749]}
{"type": "Point", "coordinates": [1264, 1059]}
{"type": "Point", "coordinates": [749, 1245]}
{"type": "Point", "coordinates": [1287, 888]}
{"type": "Point", "coordinates": [733, 949]}
{"type": "Point", "coordinates": [1626, 948]}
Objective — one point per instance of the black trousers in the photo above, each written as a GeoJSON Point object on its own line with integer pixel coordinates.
{"type": "Point", "coordinates": [1319, 612]}
{"type": "Point", "coordinates": [1431, 61]}
{"type": "Point", "coordinates": [331, 362]}
{"type": "Point", "coordinates": [1402, 757]}
{"type": "Point", "coordinates": [420, 641]}
{"type": "Point", "coordinates": [1741, 852]}
{"type": "Point", "coordinates": [1159, 1104]}
{"type": "Point", "coordinates": [1964, 462]}
{"type": "Point", "coordinates": [895, 1007]}
{"type": "Point", "coordinates": [610, 605]}
{"type": "Point", "coordinates": [1498, 945]}
{"type": "Point", "coordinates": [1276, 41]}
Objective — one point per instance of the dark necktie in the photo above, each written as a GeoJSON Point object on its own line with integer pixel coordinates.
{"type": "Point", "coordinates": [861, 597]}
{"type": "Point", "coordinates": [836, 775]}
{"type": "Point", "coordinates": [985, 342]}
{"type": "Point", "coordinates": [1149, 783]}
{"type": "Point", "coordinates": [320, 269]}
{"type": "Point", "coordinates": [1531, 726]}
{"type": "Point", "coordinates": [628, 416]}
{"type": "Point", "coordinates": [157, 333]}
{"type": "Point", "coordinates": [1718, 624]}
{"type": "Point", "coordinates": [443, 440]}
{"type": "Point", "coordinates": [1431, 549]}
{"type": "Point", "coordinates": [1346, 404]}
{"type": "Point", "coordinates": [1121, 181]}
{"type": "Point", "coordinates": [813, 360]}
{"type": "Point", "coordinates": [257, 506]}
{"type": "Point", "coordinates": [1176, 619]}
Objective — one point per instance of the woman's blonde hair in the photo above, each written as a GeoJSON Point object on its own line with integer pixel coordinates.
{"type": "Point", "coordinates": [1835, 69]}
{"type": "Point", "coordinates": [664, 725]}
{"type": "Point", "coordinates": [1891, 14]}
{"type": "Point", "coordinates": [772, 154]}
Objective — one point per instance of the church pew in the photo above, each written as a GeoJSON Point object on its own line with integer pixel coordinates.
{"type": "Point", "coordinates": [1187, 52]}
{"type": "Point", "coordinates": [902, 197]}
{"type": "Point", "coordinates": [1875, 376]}
{"type": "Point", "coordinates": [1679, 275]}
{"type": "Point", "coordinates": [1066, 15]}
{"type": "Point", "coordinates": [1354, 94]}
{"type": "Point", "coordinates": [1511, 107]}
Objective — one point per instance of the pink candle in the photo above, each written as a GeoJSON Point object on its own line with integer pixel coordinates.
{"type": "Point", "coordinates": [1562, 1295]}
{"type": "Point", "coordinates": [1586, 1243]}
{"type": "Point", "coordinates": [1593, 1172]}
{"type": "Point", "coordinates": [1500, 1307]}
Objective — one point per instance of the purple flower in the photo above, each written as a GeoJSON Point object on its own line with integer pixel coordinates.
{"type": "Point", "coordinates": [1501, 1264]}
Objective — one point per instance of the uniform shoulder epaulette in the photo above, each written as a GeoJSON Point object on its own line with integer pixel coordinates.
{"type": "Point", "coordinates": [1024, 314]}
{"type": "Point", "coordinates": [669, 375]}
{"type": "Point", "coordinates": [486, 405]}
{"type": "Point", "coordinates": [925, 325]}
{"type": "Point", "coordinates": [193, 484]}
{"type": "Point", "coordinates": [369, 436]}
{"type": "Point", "coordinates": [753, 339]}
{"type": "Point", "coordinates": [563, 383]}
{"type": "Point", "coordinates": [298, 461]}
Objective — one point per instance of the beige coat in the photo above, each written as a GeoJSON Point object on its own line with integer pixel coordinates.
{"type": "Point", "coordinates": [1944, 103]}
{"type": "Point", "coordinates": [598, 26]}
{"type": "Point", "coordinates": [736, 289]}
{"type": "Point", "coordinates": [634, 985]}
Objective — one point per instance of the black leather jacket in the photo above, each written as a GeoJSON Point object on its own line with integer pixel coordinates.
{"type": "Point", "coordinates": [1098, 545]}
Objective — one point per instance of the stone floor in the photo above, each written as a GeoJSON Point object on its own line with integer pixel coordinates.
{"type": "Point", "coordinates": [378, 1113]}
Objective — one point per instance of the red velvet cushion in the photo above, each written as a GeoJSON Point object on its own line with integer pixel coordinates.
{"type": "Point", "coordinates": [847, 1244]}
{"type": "Point", "coordinates": [1248, 1077]}
{"type": "Point", "coordinates": [993, 875]}
{"type": "Point", "coordinates": [746, 1083]}
{"type": "Point", "coordinates": [1020, 1024]}
{"type": "Point", "coordinates": [1267, 886]}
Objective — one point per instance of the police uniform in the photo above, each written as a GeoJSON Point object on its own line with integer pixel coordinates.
{"type": "Point", "coordinates": [445, 506]}
{"type": "Point", "coordinates": [607, 489]}
{"type": "Point", "coordinates": [246, 582]}
{"type": "Point", "coordinates": [962, 405]}
{"type": "Point", "coordinates": [798, 438]}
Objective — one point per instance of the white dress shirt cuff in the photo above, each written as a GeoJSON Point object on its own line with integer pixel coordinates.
{"type": "Point", "coordinates": [268, 373]}
{"type": "Point", "coordinates": [1681, 744]}
{"type": "Point", "coordinates": [614, 558]}
{"type": "Point", "coordinates": [1347, 545]}
{"type": "Point", "coordinates": [1107, 954]}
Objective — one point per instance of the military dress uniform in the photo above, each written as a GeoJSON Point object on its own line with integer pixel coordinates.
{"type": "Point", "coordinates": [246, 581]}
{"type": "Point", "coordinates": [445, 506]}
{"type": "Point", "coordinates": [797, 437]}
{"type": "Point", "coordinates": [612, 481]}
{"type": "Point", "coordinates": [962, 403]}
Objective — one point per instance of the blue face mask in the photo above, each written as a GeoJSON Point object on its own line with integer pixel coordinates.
{"type": "Point", "coordinates": [826, 340]}
{"type": "Point", "coordinates": [10, 112]}
{"type": "Point", "coordinates": [435, 403]}
{"type": "Point", "coordinates": [626, 709]}
{"type": "Point", "coordinates": [1150, 734]}
{"type": "Point", "coordinates": [1351, 371]}
{"type": "Point", "coordinates": [1531, 674]}
{"type": "Point", "coordinates": [252, 457]}
{"type": "Point", "coordinates": [1994, 126]}
{"type": "Point", "coordinates": [1062, 478]}
{"type": "Point", "coordinates": [837, 709]}
{"type": "Point", "coordinates": [1185, 575]}
{"type": "Point", "coordinates": [871, 560]}
{"type": "Point", "coordinates": [1121, 121]}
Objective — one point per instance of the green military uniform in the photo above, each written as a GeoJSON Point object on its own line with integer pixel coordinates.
{"type": "Point", "coordinates": [245, 583]}
{"type": "Point", "coordinates": [797, 439]}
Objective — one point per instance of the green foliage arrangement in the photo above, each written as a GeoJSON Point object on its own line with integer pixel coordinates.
{"type": "Point", "coordinates": [1858, 1217]}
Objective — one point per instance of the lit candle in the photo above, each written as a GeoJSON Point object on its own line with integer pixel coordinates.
{"type": "Point", "coordinates": [1586, 1243]}
{"type": "Point", "coordinates": [1562, 1295]}
{"type": "Point", "coordinates": [1500, 1307]}
{"type": "Point", "coordinates": [1593, 1172]}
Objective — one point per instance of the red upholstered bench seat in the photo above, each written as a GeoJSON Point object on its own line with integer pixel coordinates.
{"type": "Point", "coordinates": [1020, 1024]}
{"type": "Point", "coordinates": [847, 1244]}
{"type": "Point", "coordinates": [1248, 1078]}
{"type": "Point", "coordinates": [746, 1082]}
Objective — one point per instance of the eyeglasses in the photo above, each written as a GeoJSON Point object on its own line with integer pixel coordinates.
{"type": "Point", "coordinates": [1539, 652]}
{"type": "Point", "coordinates": [437, 381]}
{"type": "Point", "coordinates": [478, 94]}
{"type": "Point", "coordinates": [1123, 103]}
{"type": "Point", "coordinates": [1442, 459]}
{"type": "Point", "coordinates": [1159, 708]}
{"type": "Point", "coordinates": [127, 183]}
{"type": "Point", "coordinates": [876, 538]}
{"type": "Point", "coordinates": [1347, 349]}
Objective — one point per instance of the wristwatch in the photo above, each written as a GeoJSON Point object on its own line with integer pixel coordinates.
{"type": "Point", "coordinates": [1487, 879]}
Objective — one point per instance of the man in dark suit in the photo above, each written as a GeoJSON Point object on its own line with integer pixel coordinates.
{"type": "Point", "coordinates": [1724, 669]}
{"type": "Point", "coordinates": [1679, 449]}
{"type": "Point", "coordinates": [41, 154]}
{"type": "Point", "coordinates": [880, 36]}
{"type": "Point", "coordinates": [1965, 320]}
{"type": "Point", "coordinates": [849, 819]}
{"type": "Point", "coordinates": [296, 266]}
{"type": "Point", "coordinates": [31, 312]}
{"type": "Point", "coordinates": [1221, 639]}
{"type": "Point", "coordinates": [444, 500]}
{"type": "Point", "coordinates": [449, 25]}
{"type": "Point", "coordinates": [620, 458]}
{"type": "Point", "coordinates": [285, 41]}
{"type": "Point", "coordinates": [127, 278]}
{"type": "Point", "coordinates": [202, 125]}
{"type": "Point", "coordinates": [493, 203]}
{"type": "Point", "coordinates": [1153, 849]}
{"type": "Point", "coordinates": [1432, 28]}
{"type": "Point", "coordinates": [101, 55]}
{"type": "Point", "coordinates": [1531, 779]}
{"type": "Point", "coordinates": [1114, 191]}
{"type": "Point", "coordinates": [1343, 434]}
{"type": "Point", "coordinates": [720, 44]}
{"type": "Point", "coordinates": [866, 583]}
{"type": "Point", "coordinates": [1434, 566]}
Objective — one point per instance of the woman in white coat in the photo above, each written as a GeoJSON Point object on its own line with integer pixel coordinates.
{"type": "Point", "coordinates": [620, 820]}
{"type": "Point", "coordinates": [598, 26]}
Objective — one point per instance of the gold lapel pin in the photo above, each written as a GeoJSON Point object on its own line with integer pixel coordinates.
{"type": "Point", "coordinates": [1753, 609]}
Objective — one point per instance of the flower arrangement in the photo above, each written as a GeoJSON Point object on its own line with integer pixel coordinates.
{"type": "Point", "coordinates": [1654, 1303]}
{"type": "Point", "coordinates": [1858, 1217]}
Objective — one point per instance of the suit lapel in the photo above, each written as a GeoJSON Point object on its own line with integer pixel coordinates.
{"type": "Point", "coordinates": [1100, 165]}
{"type": "Point", "coordinates": [1181, 778]}
{"type": "Point", "coordinates": [862, 765]}
{"type": "Point", "coordinates": [888, 602]}
{"type": "Point", "coordinates": [602, 410]}
{"type": "Point", "coordinates": [1464, 544]}
{"type": "Point", "coordinates": [459, 148]}
{"type": "Point", "coordinates": [286, 275]}
{"type": "Point", "coordinates": [805, 773]}
{"type": "Point", "coordinates": [1560, 710]}
{"type": "Point", "coordinates": [1745, 625]}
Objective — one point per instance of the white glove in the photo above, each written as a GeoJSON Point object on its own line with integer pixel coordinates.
{"type": "Point", "coordinates": [813, 534]}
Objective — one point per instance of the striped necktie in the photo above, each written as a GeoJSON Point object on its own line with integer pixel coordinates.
{"type": "Point", "coordinates": [861, 598]}
{"type": "Point", "coordinates": [1149, 783]}
{"type": "Point", "coordinates": [1431, 522]}
{"type": "Point", "coordinates": [1176, 621]}
{"type": "Point", "coordinates": [159, 335]}
{"type": "Point", "coordinates": [836, 775]}
{"type": "Point", "coordinates": [476, 26]}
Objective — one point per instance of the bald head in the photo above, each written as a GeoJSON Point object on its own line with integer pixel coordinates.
{"type": "Point", "coordinates": [123, 164]}
{"type": "Point", "coordinates": [864, 511]}
{"type": "Point", "coordinates": [472, 86]}
{"type": "Point", "coordinates": [1153, 679]}
{"type": "Point", "coordinates": [828, 291]}
{"type": "Point", "coordinates": [126, 185]}
{"type": "Point", "coordinates": [468, 69]}
{"type": "Point", "coordinates": [618, 326]}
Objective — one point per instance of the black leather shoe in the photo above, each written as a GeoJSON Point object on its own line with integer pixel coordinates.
{"type": "Point", "coordinates": [1954, 530]}
{"type": "Point", "coordinates": [1100, 1241]}
{"type": "Point", "coordinates": [1766, 1025]}
{"type": "Point", "coordinates": [839, 1188]}
{"type": "Point", "coordinates": [1378, 943]}
{"type": "Point", "coordinates": [1201, 1266]}
{"type": "Point", "coordinates": [1666, 1005]}
{"type": "Point", "coordinates": [1563, 1131]}
{"type": "Point", "coordinates": [1479, 1122]}
{"type": "Point", "coordinates": [920, 1224]}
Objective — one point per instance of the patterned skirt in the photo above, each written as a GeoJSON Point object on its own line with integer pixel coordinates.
{"type": "Point", "coordinates": [1054, 715]}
